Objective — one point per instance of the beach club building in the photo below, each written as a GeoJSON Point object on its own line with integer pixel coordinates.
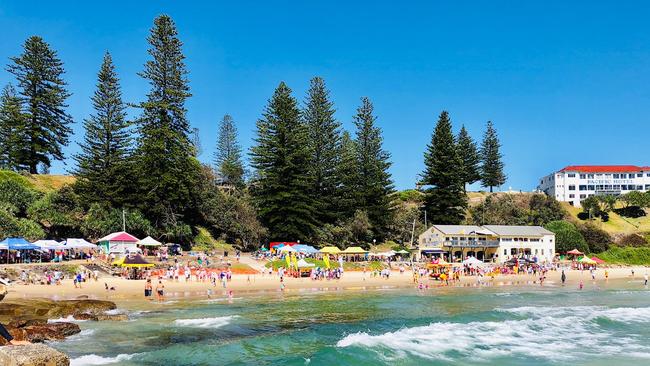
{"type": "Point", "coordinates": [118, 243]}
{"type": "Point", "coordinates": [498, 243]}
{"type": "Point", "coordinates": [574, 183]}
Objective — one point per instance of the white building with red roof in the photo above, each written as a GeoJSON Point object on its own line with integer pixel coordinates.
{"type": "Point", "coordinates": [119, 242]}
{"type": "Point", "coordinates": [574, 183]}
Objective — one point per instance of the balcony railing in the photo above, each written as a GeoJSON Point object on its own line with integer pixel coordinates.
{"type": "Point", "coordinates": [466, 243]}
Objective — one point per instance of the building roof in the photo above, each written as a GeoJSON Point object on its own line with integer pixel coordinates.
{"type": "Point", "coordinates": [119, 236]}
{"type": "Point", "coordinates": [518, 230]}
{"type": "Point", "coordinates": [462, 229]}
{"type": "Point", "coordinates": [604, 168]}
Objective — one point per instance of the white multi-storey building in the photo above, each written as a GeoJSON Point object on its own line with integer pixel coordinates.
{"type": "Point", "coordinates": [576, 182]}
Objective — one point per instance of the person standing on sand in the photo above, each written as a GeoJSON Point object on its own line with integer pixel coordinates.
{"type": "Point", "coordinates": [148, 289]}
{"type": "Point", "coordinates": [563, 277]}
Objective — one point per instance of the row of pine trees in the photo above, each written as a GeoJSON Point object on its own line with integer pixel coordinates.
{"type": "Point", "coordinates": [308, 173]}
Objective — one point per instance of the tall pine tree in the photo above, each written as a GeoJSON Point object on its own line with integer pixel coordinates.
{"type": "Point", "coordinates": [12, 130]}
{"type": "Point", "coordinates": [445, 200]}
{"type": "Point", "coordinates": [103, 171]}
{"type": "Point", "coordinates": [491, 165]}
{"type": "Point", "coordinates": [281, 157]}
{"type": "Point", "coordinates": [227, 156]}
{"type": "Point", "coordinates": [324, 144]}
{"type": "Point", "coordinates": [347, 170]}
{"type": "Point", "coordinates": [374, 183]}
{"type": "Point", "coordinates": [39, 73]}
{"type": "Point", "coordinates": [168, 170]}
{"type": "Point", "coordinates": [469, 157]}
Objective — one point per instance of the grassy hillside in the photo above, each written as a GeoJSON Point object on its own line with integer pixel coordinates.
{"type": "Point", "coordinates": [40, 182]}
{"type": "Point", "coordinates": [617, 225]}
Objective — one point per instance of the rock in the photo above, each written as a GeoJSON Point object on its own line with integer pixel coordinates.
{"type": "Point", "coordinates": [113, 317]}
{"type": "Point", "coordinates": [48, 309]}
{"type": "Point", "coordinates": [32, 355]}
{"type": "Point", "coordinates": [85, 316]}
{"type": "Point", "coordinates": [50, 331]}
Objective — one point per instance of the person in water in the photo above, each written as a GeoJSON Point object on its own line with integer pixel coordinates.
{"type": "Point", "coordinates": [148, 289]}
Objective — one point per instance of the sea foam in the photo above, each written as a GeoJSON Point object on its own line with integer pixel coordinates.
{"type": "Point", "coordinates": [206, 322]}
{"type": "Point", "coordinates": [555, 334]}
{"type": "Point", "coordinates": [91, 360]}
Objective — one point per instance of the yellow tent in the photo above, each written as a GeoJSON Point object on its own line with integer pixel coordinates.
{"type": "Point", "coordinates": [354, 250]}
{"type": "Point", "coordinates": [587, 260]}
{"type": "Point", "coordinates": [118, 262]}
{"type": "Point", "coordinates": [330, 250]}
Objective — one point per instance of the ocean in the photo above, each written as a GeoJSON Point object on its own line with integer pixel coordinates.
{"type": "Point", "coordinates": [603, 324]}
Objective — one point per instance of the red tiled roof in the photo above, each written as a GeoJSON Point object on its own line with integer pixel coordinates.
{"type": "Point", "coordinates": [119, 236]}
{"type": "Point", "coordinates": [604, 168]}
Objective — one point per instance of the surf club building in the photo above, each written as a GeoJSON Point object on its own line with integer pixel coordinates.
{"type": "Point", "coordinates": [490, 243]}
{"type": "Point", "coordinates": [574, 183]}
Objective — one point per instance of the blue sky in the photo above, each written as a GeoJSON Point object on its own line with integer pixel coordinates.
{"type": "Point", "coordinates": [563, 82]}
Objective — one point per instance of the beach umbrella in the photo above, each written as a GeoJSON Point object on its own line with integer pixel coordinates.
{"type": "Point", "coordinates": [473, 261]}
{"type": "Point", "coordinates": [264, 249]}
{"type": "Point", "coordinates": [330, 250]}
{"type": "Point", "coordinates": [403, 252]}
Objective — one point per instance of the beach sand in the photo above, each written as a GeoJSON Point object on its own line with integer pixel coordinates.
{"type": "Point", "coordinates": [247, 284]}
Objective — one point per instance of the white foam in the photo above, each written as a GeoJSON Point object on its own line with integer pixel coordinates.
{"type": "Point", "coordinates": [68, 319]}
{"type": "Point", "coordinates": [91, 360]}
{"type": "Point", "coordinates": [217, 322]}
{"type": "Point", "coordinates": [556, 334]}
{"type": "Point", "coordinates": [114, 312]}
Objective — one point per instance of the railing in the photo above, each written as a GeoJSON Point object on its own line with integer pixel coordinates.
{"type": "Point", "coordinates": [468, 243]}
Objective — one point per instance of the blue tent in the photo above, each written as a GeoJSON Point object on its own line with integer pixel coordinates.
{"type": "Point", "coordinates": [303, 248]}
{"type": "Point", "coordinates": [18, 244]}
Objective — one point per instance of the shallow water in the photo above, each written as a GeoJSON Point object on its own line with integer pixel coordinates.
{"type": "Point", "coordinates": [599, 325]}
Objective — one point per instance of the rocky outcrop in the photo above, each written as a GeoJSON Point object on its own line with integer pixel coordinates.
{"type": "Point", "coordinates": [30, 309]}
{"type": "Point", "coordinates": [28, 319]}
{"type": "Point", "coordinates": [32, 355]}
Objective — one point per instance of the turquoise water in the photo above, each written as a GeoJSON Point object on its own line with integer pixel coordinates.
{"type": "Point", "coordinates": [600, 325]}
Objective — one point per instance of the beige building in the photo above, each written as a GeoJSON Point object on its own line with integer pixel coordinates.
{"type": "Point", "coordinates": [490, 243]}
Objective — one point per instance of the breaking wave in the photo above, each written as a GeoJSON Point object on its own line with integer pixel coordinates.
{"type": "Point", "coordinates": [551, 333]}
{"type": "Point", "coordinates": [206, 322]}
{"type": "Point", "coordinates": [91, 360]}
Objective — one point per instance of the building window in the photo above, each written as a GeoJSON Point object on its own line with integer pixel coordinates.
{"type": "Point", "coordinates": [590, 176]}
{"type": "Point", "coordinates": [582, 187]}
{"type": "Point", "coordinates": [572, 187]}
{"type": "Point", "coordinates": [617, 176]}
{"type": "Point", "coordinates": [591, 187]}
{"type": "Point", "coordinates": [572, 196]}
{"type": "Point", "coordinates": [639, 188]}
{"type": "Point", "coordinates": [583, 196]}
{"type": "Point", "coordinates": [639, 175]}
{"type": "Point", "coordinates": [505, 252]}
{"type": "Point", "coordinates": [542, 251]}
{"type": "Point", "coordinates": [571, 175]}
{"type": "Point", "coordinates": [647, 187]}
{"type": "Point", "coordinates": [647, 175]}
{"type": "Point", "coordinates": [583, 176]}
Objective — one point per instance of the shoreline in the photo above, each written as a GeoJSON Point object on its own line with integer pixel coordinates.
{"type": "Point", "coordinates": [259, 285]}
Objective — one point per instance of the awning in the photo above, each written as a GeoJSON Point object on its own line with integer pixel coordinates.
{"type": "Point", "coordinates": [17, 244]}
{"type": "Point", "coordinates": [354, 250]}
{"type": "Point", "coordinates": [149, 242]}
{"type": "Point", "coordinates": [574, 252]}
{"type": "Point", "coordinates": [330, 250]}
{"type": "Point", "coordinates": [72, 243]}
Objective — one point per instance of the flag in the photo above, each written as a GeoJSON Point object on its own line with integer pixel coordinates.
{"type": "Point", "coordinates": [326, 259]}
{"type": "Point", "coordinates": [286, 257]}
{"type": "Point", "coordinates": [294, 260]}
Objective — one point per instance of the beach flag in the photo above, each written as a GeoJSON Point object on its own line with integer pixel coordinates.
{"type": "Point", "coordinates": [294, 260]}
{"type": "Point", "coordinates": [326, 259]}
{"type": "Point", "coordinates": [286, 257]}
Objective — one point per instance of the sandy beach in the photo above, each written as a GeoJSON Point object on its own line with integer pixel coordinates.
{"type": "Point", "coordinates": [247, 284]}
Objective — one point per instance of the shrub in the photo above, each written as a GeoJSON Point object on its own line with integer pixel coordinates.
{"type": "Point", "coordinates": [567, 236]}
{"type": "Point", "coordinates": [598, 240]}
{"type": "Point", "coordinates": [627, 255]}
{"type": "Point", "coordinates": [583, 216]}
{"type": "Point", "coordinates": [631, 211]}
{"type": "Point", "coordinates": [632, 240]}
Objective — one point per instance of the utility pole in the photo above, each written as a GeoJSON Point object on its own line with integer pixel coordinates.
{"type": "Point", "coordinates": [412, 233]}
{"type": "Point", "coordinates": [123, 220]}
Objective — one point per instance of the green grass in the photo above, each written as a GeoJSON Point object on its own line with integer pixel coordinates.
{"type": "Point", "coordinates": [626, 255]}
{"type": "Point", "coordinates": [39, 182]}
{"type": "Point", "coordinates": [347, 266]}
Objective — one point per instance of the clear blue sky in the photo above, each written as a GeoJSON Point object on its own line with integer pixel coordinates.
{"type": "Point", "coordinates": [563, 82]}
